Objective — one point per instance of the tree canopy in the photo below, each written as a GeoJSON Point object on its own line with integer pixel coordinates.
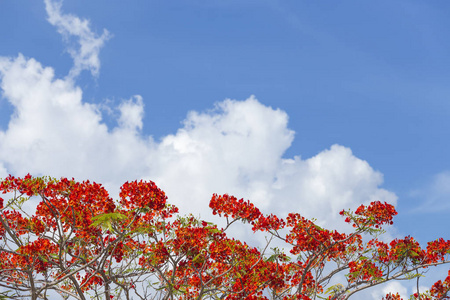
{"type": "Point", "coordinates": [79, 244]}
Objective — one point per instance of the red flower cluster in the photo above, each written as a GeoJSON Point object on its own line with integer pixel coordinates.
{"type": "Point", "coordinates": [229, 206]}
{"type": "Point", "coordinates": [142, 194]}
{"type": "Point", "coordinates": [374, 215]}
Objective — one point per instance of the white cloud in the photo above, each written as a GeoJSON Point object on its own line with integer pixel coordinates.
{"type": "Point", "coordinates": [332, 180]}
{"type": "Point", "coordinates": [235, 148]}
{"type": "Point", "coordinates": [85, 51]}
{"type": "Point", "coordinates": [238, 148]}
{"type": "Point", "coordinates": [53, 132]}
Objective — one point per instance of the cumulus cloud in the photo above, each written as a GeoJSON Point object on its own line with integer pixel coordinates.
{"type": "Point", "coordinates": [232, 148]}
{"type": "Point", "coordinates": [86, 47]}
{"type": "Point", "coordinates": [237, 147]}
{"type": "Point", "coordinates": [52, 131]}
{"type": "Point", "coordinates": [328, 182]}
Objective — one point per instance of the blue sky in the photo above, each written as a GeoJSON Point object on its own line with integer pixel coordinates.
{"type": "Point", "coordinates": [370, 77]}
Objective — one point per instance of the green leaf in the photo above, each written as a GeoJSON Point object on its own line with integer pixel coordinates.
{"type": "Point", "coordinates": [334, 289]}
{"type": "Point", "coordinates": [272, 258]}
{"type": "Point", "coordinates": [412, 275]}
{"type": "Point", "coordinates": [106, 220]}
{"type": "Point", "coordinates": [196, 257]}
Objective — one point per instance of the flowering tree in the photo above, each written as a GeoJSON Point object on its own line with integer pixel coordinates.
{"type": "Point", "coordinates": [81, 244]}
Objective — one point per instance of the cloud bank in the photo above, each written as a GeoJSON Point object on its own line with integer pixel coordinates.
{"type": "Point", "coordinates": [236, 147]}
